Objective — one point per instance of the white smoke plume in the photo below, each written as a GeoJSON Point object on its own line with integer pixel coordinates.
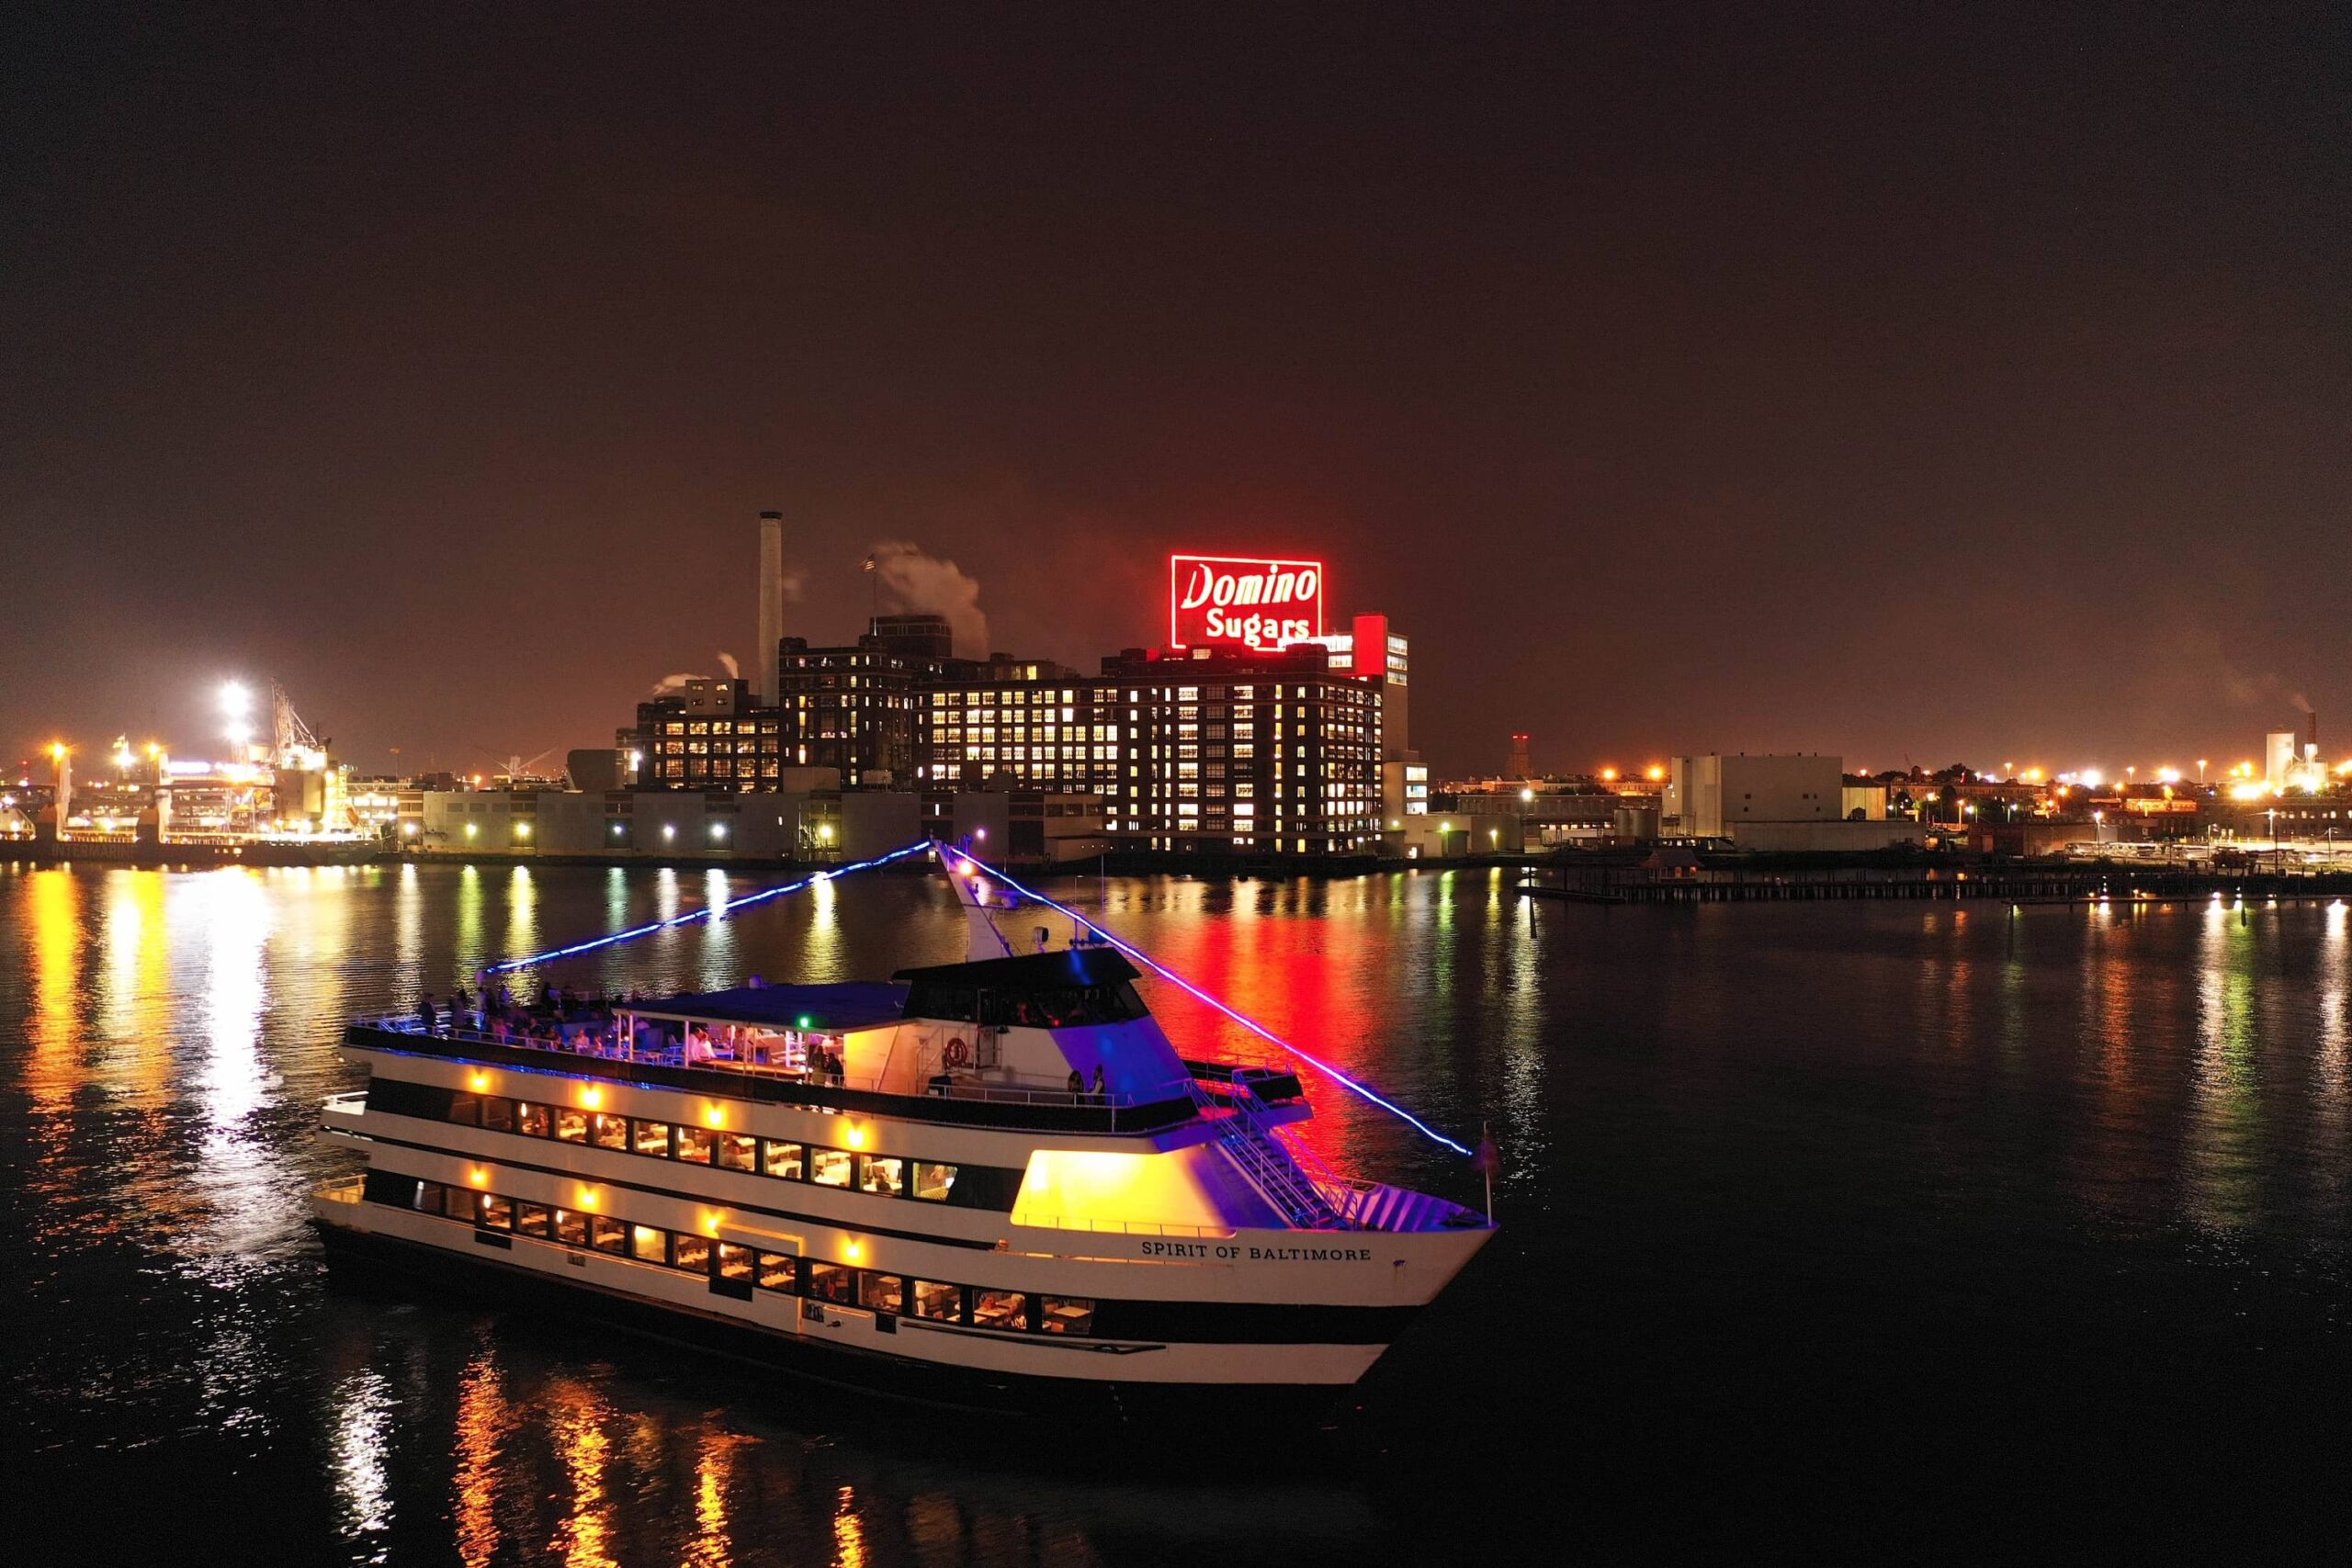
{"type": "Point", "coordinates": [792, 580]}
{"type": "Point", "coordinates": [669, 684]}
{"type": "Point", "coordinates": [727, 662]}
{"type": "Point", "coordinates": [913, 582]}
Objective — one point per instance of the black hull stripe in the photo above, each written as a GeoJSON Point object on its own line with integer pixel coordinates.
{"type": "Point", "coordinates": [837, 1366]}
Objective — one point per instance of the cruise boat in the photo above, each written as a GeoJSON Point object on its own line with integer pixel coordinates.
{"type": "Point", "coordinates": [992, 1184]}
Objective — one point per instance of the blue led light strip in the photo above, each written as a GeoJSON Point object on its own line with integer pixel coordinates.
{"type": "Point", "coordinates": [705, 913]}
{"type": "Point", "coordinates": [1244, 1019]}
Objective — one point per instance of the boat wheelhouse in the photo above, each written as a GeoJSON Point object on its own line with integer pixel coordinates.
{"type": "Point", "coordinates": [994, 1183]}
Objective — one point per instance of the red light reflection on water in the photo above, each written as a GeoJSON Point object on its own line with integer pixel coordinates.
{"type": "Point", "coordinates": [1301, 979]}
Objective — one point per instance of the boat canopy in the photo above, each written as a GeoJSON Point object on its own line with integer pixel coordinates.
{"type": "Point", "coordinates": [820, 1010]}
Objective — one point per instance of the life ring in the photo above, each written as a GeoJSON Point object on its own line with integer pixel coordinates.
{"type": "Point", "coordinates": [957, 1055]}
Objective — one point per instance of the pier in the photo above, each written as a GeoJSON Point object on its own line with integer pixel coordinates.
{"type": "Point", "coordinates": [2034, 884]}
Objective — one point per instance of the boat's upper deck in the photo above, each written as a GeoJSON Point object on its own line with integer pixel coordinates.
{"type": "Point", "coordinates": [1048, 1042]}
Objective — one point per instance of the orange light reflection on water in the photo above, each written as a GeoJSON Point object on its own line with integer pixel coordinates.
{"type": "Point", "coordinates": [485, 1418]}
{"type": "Point", "coordinates": [577, 1416]}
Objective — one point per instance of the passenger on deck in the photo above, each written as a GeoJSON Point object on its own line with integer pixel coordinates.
{"type": "Point", "coordinates": [425, 1013]}
{"type": "Point", "coordinates": [1076, 1085]}
{"type": "Point", "coordinates": [1098, 1091]}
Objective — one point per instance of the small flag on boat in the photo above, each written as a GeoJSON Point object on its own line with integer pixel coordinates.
{"type": "Point", "coordinates": [869, 563]}
{"type": "Point", "coordinates": [1487, 1157]}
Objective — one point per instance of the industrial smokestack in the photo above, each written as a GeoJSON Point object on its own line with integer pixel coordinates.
{"type": "Point", "coordinates": [763, 655]}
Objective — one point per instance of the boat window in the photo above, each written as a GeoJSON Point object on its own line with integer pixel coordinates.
{"type": "Point", "coordinates": [881, 1293]}
{"type": "Point", "coordinates": [881, 1173]}
{"type": "Point", "coordinates": [497, 1212]}
{"type": "Point", "coordinates": [739, 1151]}
{"type": "Point", "coordinates": [607, 1236]}
{"type": "Point", "coordinates": [571, 1227]}
{"type": "Point", "coordinates": [571, 1126]}
{"type": "Point", "coordinates": [648, 1245]}
{"type": "Point", "coordinates": [933, 1299]}
{"type": "Point", "coordinates": [534, 1219]}
{"type": "Point", "coordinates": [781, 1159]}
{"type": "Point", "coordinates": [1066, 1314]}
{"type": "Point", "coordinates": [829, 1167]}
{"type": "Point", "coordinates": [651, 1138]}
{"type": "Point", "coordinates": [428, 1196]}
{"type": "Point", "coordinates": [1000, 1309]}
{"type": "Point", "coordinates": [697, 1145]}
{"type": "Point", "coordinates": [530, 1120]}
{"type": "Point", "coordinates": [828, 1283]}
{"type": "Point", "coordinates": [460, 1203]}
{"type": "Point", "coordinates": [1042, 1007]}
{"type": "Point", "coordinates": [466, 1109]}
{"type": "Point", "coordinates": [933, 1180]}
{"type": "Point", "coordinates": [691, 1253]}
{"type": "Point", "coordinates": [734, 1261]}
{"type": "Point", "coordinates": [777, 1271]}
{"type": "Point", "coordinates": [497, 1114]}
{"type": "Point", "coordinates": [610, 1132]}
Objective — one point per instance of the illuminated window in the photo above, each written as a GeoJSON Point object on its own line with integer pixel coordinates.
{"type": "Point", "coordinates": [532, 1120]}
{"type": "Point", "coordinates": [691, 1253]}
{"type": "Point", "coordinates": [828, 1282]}
{"type": "Point", "coordinates": [571, 1227]}
{"type": "Point", "coordinates": [830, 1167]}
{"type": "Point", "coordinates": [609, 1132]}
{"type": "Point", "coordinates": [877, 1173]}
{"type": "Point", "coordinates": [697, 1146]}
{"type": "Point", "coordinates": [1000, 1309]}
{"type": "Point", "coordinates": [737, 1151]}
{"type": "Point", "coordinates": [534, 1219]}
{"type": "Point", "coordinates": [778, 1273]}
{"type": "Point", "coordinates": [607, 1236]}
{"type": "Point", "coordinates": [497, 1212]}
{"type": "Point", "coordinates": [571, 1126]}
{"type": "Point", "coordinates": [649, 1245]}
{"type": "Point", "coordinates": [650, 1138]}
{"type": "Point", "coordinates": [881, 1293]}
{"type": "Point", "coordinates": [934, 1181]}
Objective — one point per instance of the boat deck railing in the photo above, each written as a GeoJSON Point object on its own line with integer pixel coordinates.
{"type": "Point", "coordinates": [1122, 1227]}
{"type": "Point", "coordinates": [1148, 1110]}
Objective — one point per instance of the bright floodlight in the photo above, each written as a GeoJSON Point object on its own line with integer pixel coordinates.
{"type": "Point", "coordinates": [235, 700]}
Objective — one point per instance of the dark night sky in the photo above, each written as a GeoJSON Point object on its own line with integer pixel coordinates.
{"type": "Point", "coordinates": [1907, 384]}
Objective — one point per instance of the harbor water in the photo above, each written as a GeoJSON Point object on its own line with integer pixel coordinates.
{"type": "Point", "coordinates": [1897, 1230]}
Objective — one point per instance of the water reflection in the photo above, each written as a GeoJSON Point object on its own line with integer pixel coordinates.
{"type": "Point", "coordinates": [53, 932]}
{"type": "Point", "coordinates": [578, 1417]}
{"type": "Point", "coordinates": [2062, 1075]}
{"type": "Point", "coordinates": [2222, 1137]}
{"type": "Point", "coordinates": [849, 1530]}
{"type": "Point", "coordinates": [362, 1419]}
{"type": "Point", "coordinates": [484, 1421]}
